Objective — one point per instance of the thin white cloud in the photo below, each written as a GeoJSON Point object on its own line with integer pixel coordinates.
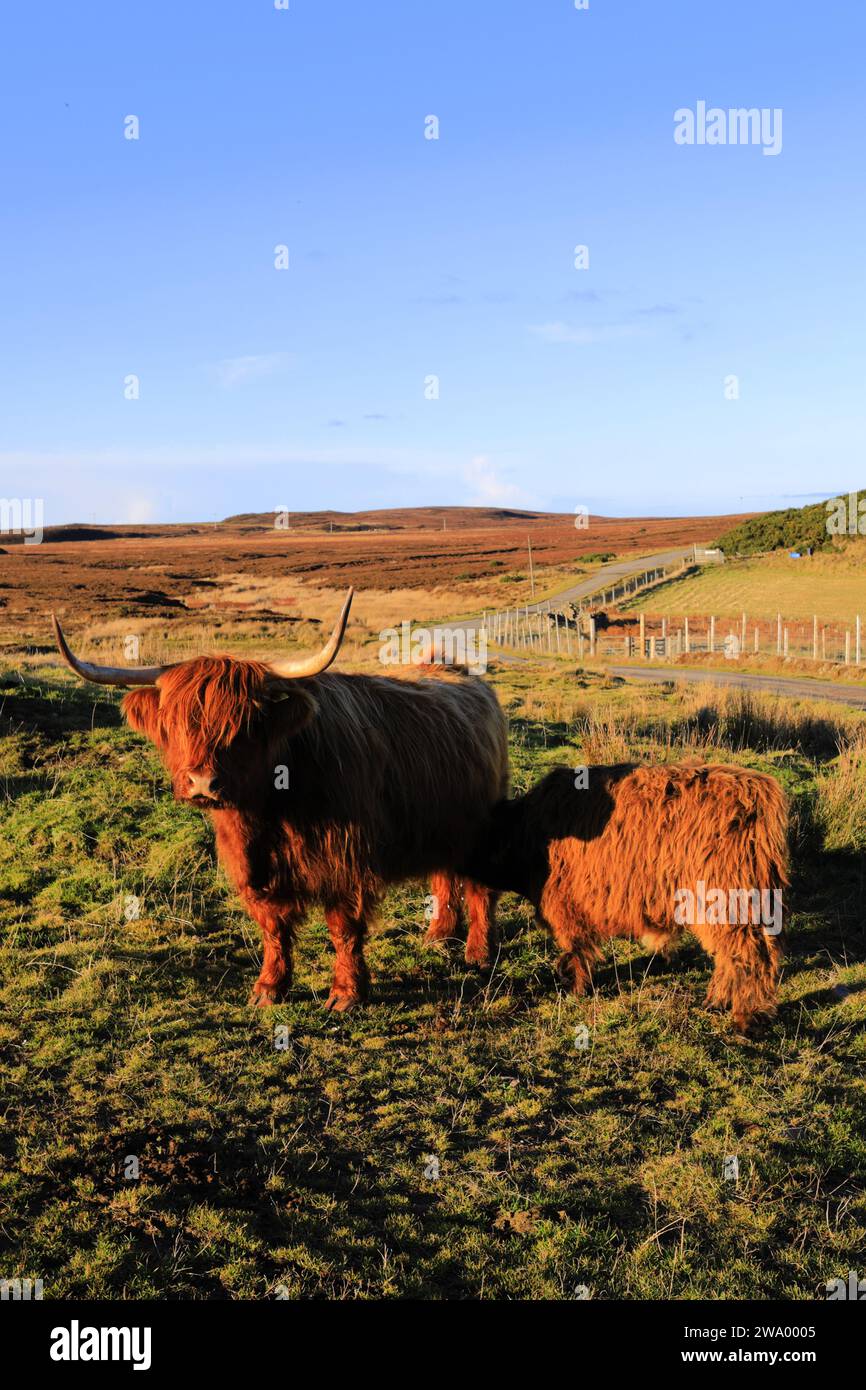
{"type": "Point", "coordinates": [234, 371]}
{"type": "Point", "coordinates": [140, 508]}
{"type": "Point", "coordinates": [488, 489]}
{"type": "Point", "coordinates": [559, 332]}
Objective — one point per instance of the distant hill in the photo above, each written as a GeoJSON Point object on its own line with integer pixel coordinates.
{"type": "Point", "coordinates": [398, 519]}
{"type": "Point", "coordinates": [509, 524]}
{"type": "Point", "coordinates": [796, 528]}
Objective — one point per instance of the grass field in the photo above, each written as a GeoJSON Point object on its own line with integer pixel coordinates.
{"type": "Point", "coordinates": [452, 1140]}
{"type": "Point", "coordinates": [831, 585]}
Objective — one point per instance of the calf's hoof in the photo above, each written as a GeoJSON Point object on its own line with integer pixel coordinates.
{"type": "Point", "coordinates": [571, 974]}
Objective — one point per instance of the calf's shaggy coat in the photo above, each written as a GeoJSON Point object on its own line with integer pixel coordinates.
{"type": "Point", "coordinates": [620, 857]}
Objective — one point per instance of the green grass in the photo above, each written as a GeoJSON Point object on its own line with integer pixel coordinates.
{"type": "Point", "coordinates": [828, 585]}
{"type": "Point", "coordinates": [299, 1170]}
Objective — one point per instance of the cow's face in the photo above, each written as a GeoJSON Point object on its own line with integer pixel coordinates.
{"type": "Point", "coordinates": [221, 727]}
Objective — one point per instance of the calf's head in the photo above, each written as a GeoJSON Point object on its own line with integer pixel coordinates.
{"type": "Point", "coordinates": [218, 722]}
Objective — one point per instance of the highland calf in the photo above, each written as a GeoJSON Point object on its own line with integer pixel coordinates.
{"type": "Point", "coordinates": [647, 852]}
{"type": "Point", "coordinates": [323, 789]}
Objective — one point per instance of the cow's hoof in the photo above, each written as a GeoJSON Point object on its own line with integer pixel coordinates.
{"type": "Point", "coordinates": [342, 1003]}
{"type": "Point", "coordinates": [265, 997]}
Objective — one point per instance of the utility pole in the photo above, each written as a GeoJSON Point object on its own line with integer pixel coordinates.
{"type": "Point", "coordinates": [531, 573]}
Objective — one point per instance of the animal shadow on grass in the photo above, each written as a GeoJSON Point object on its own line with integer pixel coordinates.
{"type": "Point", "coordinates": [745, 726]}
{"type": "Point", "coordinates": [52, 707]}
{"type": "Point", "coordinates": [44, 713]}
{"type": "Point", "coordinates": [227, 1172]}
{"type": "Point", "coordinates": [827, 895]}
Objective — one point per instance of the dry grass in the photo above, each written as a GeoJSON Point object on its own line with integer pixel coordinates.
{"type": "Point", "coordinates": [841, 797]}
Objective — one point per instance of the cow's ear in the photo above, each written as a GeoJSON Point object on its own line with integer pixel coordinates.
{"type": "Point", "coordinates": [141, 711]}
{"type": "Point", "coordinates": [292, 706]}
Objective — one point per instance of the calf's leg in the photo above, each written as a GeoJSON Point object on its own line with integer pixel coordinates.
{"type": "Point", "coordinates": [747, 962]}
{"type": "Point", "coordinates": [577, 942]}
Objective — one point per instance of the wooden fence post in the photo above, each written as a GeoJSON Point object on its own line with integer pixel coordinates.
{"type": "Point", "coordinates": [712, 635]}
{"type": "Point", "coordinates": [642, 652]}
{"type": "Point", "coordinates": [815, 637]}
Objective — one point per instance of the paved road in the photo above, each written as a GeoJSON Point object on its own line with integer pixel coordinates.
{"type": "Point", "coordinates": [604, 578]}
{"type": "Point", "coordinates": [796, 687]}
{"type": "Point", "coordinates": [803, 689]}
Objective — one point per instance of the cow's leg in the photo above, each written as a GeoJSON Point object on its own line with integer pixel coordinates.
{"type": "Point", "coordinates": [351, 984]}
{"type": "Point", "coordinates": [445, 892]}
{"type": "Point", "coordinates": [278, 922]}
{"type": "Point", "coordinates": [482, 939]}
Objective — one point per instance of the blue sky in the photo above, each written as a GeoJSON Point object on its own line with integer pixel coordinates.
{"type": "Point", "coordinates": [409, 257]}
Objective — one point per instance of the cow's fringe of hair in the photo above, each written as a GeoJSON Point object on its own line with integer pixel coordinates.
{"type": "Point", "coordinates": [215, 697]}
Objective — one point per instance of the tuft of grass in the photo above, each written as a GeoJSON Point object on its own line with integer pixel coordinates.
{"type": "Point", "coordinates": [841, 798]}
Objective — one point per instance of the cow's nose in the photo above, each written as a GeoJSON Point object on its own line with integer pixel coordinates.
{"type": "Point", "coordinates": [202, 784]}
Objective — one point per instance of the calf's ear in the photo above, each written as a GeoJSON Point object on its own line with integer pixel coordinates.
{"type": "Point", "coordinates": [141, 710]}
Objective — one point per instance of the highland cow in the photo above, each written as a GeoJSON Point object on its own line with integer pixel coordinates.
{"type": "Point", "coordinates": [326, 788]}
{"type": "Point", "coordinates": [647, 852]}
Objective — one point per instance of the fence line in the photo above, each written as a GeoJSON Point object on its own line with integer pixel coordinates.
{"type": "Point", "coordinates": [570, 630]}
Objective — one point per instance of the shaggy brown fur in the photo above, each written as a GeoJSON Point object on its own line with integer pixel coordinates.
{"type": "Point", "coordinates": [607, 860]}
{"type": "Point", "coordinates": [387, 779]}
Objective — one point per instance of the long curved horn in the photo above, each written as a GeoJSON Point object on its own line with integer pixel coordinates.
{"type": "Point", "coordinates": [106, 675]}
{"type": "Point", "coordinates": [293, 667]}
